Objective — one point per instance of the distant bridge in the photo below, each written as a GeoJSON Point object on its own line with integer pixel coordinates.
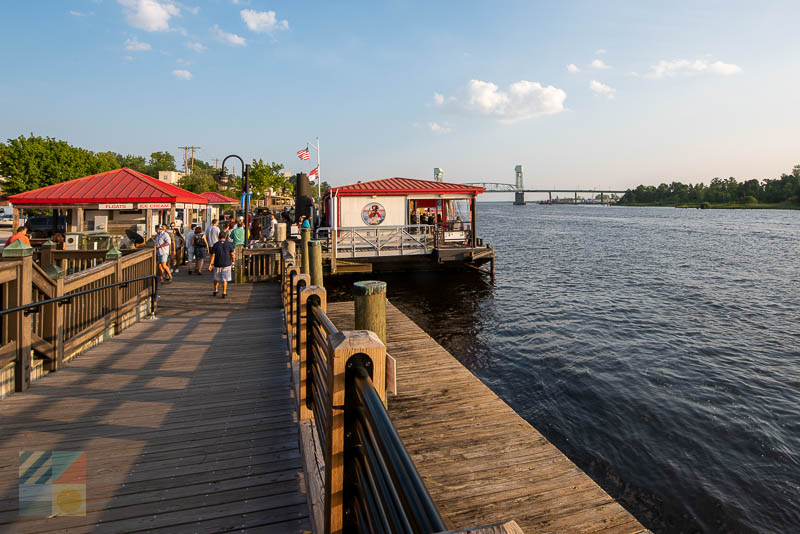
{"type": "Point", "coordinates": [519, 192]}
{"type": "Point", "coordinates": [519, 188]}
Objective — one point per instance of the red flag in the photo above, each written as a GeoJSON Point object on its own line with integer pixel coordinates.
{"type": "Point", "coordinates": [314, 172]}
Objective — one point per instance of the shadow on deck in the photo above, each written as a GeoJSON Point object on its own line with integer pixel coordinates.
{"type": "Point", "coordinates": [188, 421]}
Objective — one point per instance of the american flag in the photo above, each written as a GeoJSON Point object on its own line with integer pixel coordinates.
{"type": "Point", "coordinates": [303, 154]}
{"type": "Point", "coordinates": [314, 172]}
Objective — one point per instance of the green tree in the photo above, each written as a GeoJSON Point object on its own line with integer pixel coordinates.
{"type": "Point", "coordinates": [136, 163]}
{"type": "Point", "coordinates": [200, 181]}
{"type": "Point", "coordinates": [33, 162]}
{"type": "Point", "coordinates": [264, 176]}
{"type": "Point", "coordinates": [160, 161]}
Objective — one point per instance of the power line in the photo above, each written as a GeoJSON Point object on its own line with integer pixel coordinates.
{"type": "Point", "coordinates": [186, 165]}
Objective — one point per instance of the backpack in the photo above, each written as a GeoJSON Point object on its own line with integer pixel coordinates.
{"type": "Point", "coordinates": [198, 241]}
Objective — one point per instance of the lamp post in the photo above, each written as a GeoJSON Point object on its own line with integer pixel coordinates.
{"type": "Point", "coordinates": [246, 206]}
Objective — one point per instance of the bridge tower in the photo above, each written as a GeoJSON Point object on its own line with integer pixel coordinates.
{"type": "Point", "coordinates": [519, 196]}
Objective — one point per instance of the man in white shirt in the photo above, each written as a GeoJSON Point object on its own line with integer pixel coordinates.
{"type": "Point", "coordinates": [163, 243]}
{"type": "Point", "coordinates": [212, 233]}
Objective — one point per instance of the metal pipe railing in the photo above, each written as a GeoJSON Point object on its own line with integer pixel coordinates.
{"type": "Point", "coordinates": [402, 494]}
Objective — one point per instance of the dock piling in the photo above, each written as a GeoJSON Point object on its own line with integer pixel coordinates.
{"type": "Point", "coordinates": [305, 235]}
{"type": "Point", "coordinates": [370, 306]}
{"type": "Point", "coordinates": [315, 262]}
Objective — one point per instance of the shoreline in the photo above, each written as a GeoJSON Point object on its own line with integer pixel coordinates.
{"type": "Point", "coordinates": [774, 206]}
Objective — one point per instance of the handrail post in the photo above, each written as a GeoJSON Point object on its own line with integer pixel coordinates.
{"type": "Point", "coordinates": [116, 296]}
{"type": "Point", "coordinates": [22, 368]}
{"type": "Point", "coordinates": [293, 273]}
{"type": "Point", "coordinates": [53, 326]}
{"type": "Point", "coordinates": [304, 338]}
{"type": "Point", "coordinates": [343, 345]}
{"type": "Point", "coordinates": [300, 281]}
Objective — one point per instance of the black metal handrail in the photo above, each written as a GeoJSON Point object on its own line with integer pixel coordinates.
{"type": "Point", "coordinates": [385, 493]}
{"type": "Point", "coordinates": [33, 307]}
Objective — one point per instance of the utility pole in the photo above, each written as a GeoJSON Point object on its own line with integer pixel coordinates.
{"type": "Point", "coordinates": [186, 149]}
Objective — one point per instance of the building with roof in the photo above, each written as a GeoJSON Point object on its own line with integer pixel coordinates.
{"type": "Point", "coordinates": [379, 221]}
{"type": "Point", "coordinates": [116, 200]}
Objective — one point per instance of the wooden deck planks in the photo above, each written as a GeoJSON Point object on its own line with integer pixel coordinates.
{"type": "Point", "coordinates": [189, 421]}
{"type": "Point", "coordinates": [481, 461]}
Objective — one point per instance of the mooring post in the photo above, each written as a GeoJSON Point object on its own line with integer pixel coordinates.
{"type": "Point", "coordinates": [370, 304]}
{"type": "Point", "coordinates": [305, 235]}
{"type": "Point", "coordinates": [315, 262]}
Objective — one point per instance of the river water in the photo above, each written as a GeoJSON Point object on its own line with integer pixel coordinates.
{"type": "Point", "coordinates": [659, 348]}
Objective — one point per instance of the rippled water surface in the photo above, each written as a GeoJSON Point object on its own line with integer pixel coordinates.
{"type": "Point", "coordinates": [659, 348]}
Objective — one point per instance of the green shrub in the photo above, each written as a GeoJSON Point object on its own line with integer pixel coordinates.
{"type": "Point", "coordinates": [750, 200]}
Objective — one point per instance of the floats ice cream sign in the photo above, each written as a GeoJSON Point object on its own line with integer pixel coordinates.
{"type": "Point", "coordinates": [116, 206]}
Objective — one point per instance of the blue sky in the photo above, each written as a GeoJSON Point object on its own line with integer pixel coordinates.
{"type": "Point", "coordinates": [657, 91]}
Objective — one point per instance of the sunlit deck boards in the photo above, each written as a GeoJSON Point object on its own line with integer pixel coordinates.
{"type": "Point", "coordinates": [189, 421]}
{"type": "Point", "coordinates": [481, 461]}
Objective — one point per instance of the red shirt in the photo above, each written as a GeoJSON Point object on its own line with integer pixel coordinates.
{"type": "Point", "coordinates": [21, 237]}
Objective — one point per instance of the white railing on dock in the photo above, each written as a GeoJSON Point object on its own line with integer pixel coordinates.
{"type": "Point", "coordinates": [365, 242]}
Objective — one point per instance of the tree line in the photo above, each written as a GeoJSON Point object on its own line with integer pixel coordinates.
{"type": "Point", "coordinates": [785, 189]}
{"type": "Point", "coordinates": [32, 162]}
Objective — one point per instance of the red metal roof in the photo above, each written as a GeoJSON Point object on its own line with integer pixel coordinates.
{"type": "Point", "coordinates": [218, 198]}
{"type": "Point", "coordinates": [405, 186]}
{"type": "Point", "coordinates": [119, 185]}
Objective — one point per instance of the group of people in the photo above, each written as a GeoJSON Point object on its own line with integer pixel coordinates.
{"type": "Point", "coordinates": [425, 218]}
{"type": "Point", "coordinates": [23, 234]}
{"type": "Point", "coordinates": [172, 248]}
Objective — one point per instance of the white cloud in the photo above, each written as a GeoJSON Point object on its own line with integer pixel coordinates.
{"type": "Point", "coordinates": [228, 38]}
{"type": "Point", "coordinates": [600, 65]}
{"type": "Point", "coordinates": [182, 74]}
{"type": "Point", "coordinates": [149, 15]}
{"type": "Point", "coordinates": [240, 2]}
{"type": "Point", "coordinates": [134, 45]}
{"type": "Point", "coordinates": [572, 67]}
{"type": "Point", "coordinates": [128, 58]}
{"type": "Point", "coordinates": [193, 10]}
{"type": "Point", "coordinates": [685, 67]}
{"type": "Point", "coordinates": [523, 100]}
{"type": "Point", "coordinates": [263, 21]}
{"type": "Point", "coordinates": [197, 47]}
{"type": "Point", "coordinates": [602, 89]}
{"type": "Point", "coordinates": [601, 51]}
{"type": "Point", "coordinates": [80, 14]}
{"type": "Point", "coordinates": [438, 128]}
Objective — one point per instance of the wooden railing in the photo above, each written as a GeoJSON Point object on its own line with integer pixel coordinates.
{"type": "Point", "coordinates": [56, 318]}
{"type": "Point", "coordinates": [256, 264]}
{"type": "Point", "coordinates": [370, 481]}
{"type": "Point", "coordinates": [73, 261]}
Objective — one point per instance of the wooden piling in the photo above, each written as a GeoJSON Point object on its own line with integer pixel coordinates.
{"type": "Point", "coordinates": [370, 305]}
{"type": "Point", "coordinates": [315, 262]}
{"type": "Point", "coordinates": [305, 235]}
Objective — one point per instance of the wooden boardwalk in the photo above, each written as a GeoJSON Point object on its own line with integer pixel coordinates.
{"type": "Point", "coordinates": [189, 421]}
{"type": "Point", "coordinates": [481, 461]}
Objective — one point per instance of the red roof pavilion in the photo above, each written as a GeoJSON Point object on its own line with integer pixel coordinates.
{"type": "Point", "coordinates": [217, 198]}
{"type": "Point", "coordinates": [405, 186]}
{"type": "Point", "coordinates": [119, 185]}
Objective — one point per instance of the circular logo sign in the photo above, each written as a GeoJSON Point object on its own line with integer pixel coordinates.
{"type": "Point", "coordinates": [373, 213]}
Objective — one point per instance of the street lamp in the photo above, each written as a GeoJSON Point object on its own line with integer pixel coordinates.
{"type": "Point", "coordinates": [246, 176]}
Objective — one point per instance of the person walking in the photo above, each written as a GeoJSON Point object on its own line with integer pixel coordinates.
{"type": "Point", "coordinates": [273, 228]}
{"type": "Point", "coordinates": [229, 230]}
{"type": "Point", "coordinates": [223, 255]}
{"type": "Point", "coordinates": [163, 243]}
{"type": "Point", "coordinates": [200, 247]}
{"type": "Point", "coordinates": [212, 233]}
{"type": "Point", "coordinates": [255, 231]}
{"type": "Point", "coordinates": [189, 249]}
{"type": "Point", "coordinates": [237, 235]}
